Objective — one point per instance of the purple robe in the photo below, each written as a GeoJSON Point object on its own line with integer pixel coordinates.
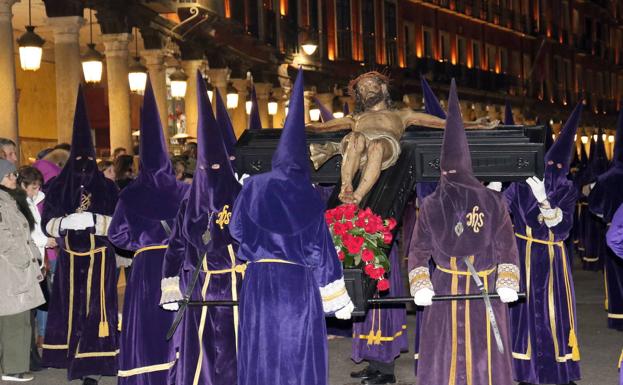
{"type": "Point", "coordinates": [81, 333]}
{"type": "Point", "coordinates": [150, 199]}
{"type": "Point", "coordinates": [293, 275]}
{"type": "Point", "coordinates": [382, 335]}
{"type": "Point", "coordinates": [540, 344]}
{"type": "Point", "coordinates": [614, 237]}
{"type": "Point", "coordinates": [604, 200]}
{"type": "Point", "coordinates": [281, 310]}
{"type": "Point", "coordinates": [462, 220]}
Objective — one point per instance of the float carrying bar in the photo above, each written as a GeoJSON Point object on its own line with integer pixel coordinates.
{"type": "Point", "coordinates": [373, 301]}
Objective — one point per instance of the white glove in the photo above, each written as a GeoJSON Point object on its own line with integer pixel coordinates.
{"type": "Point", "coordinates": [345, 312]}
{"type": "Point", "coordinates": [77, 221]}
{"type": "Point", "coordinates": [241, 178]}
{"type": "Point", "coordinates": [538, 188]}
{"type": "Point", "coordinates": [507, 295]}
{"type": "Point", "coordinates": [171, 306]}
{"type": "Point", "coordinates": [424, 297]}
{"type": "Point", "coordinates": [495, 186]}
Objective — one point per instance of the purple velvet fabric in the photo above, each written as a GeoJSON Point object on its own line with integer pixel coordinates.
{"type": "Point", "coordinates": [227, 130]}
{"type": "Point", "coordinates": [431, 103]}
{"type": "Point", "coordinates": [73, 327]}
{"type": "Point", "coordinates": [254, 118]}
{"type": "Point", "coordinates": [614, 237]}
{"type": "Point", "coordinates": [282, 328]}
{"type": "Point", "coordinates": [604, 200]}
{"type": "Point", "coordinates": [206, 339]}
{"type": "Point", "coordinates": [390, 321]}
{"type": "Point", "coordinates": [452, 329]}
{"type": "Point", "coordinates": [508, 114]}
{"type": "Point", "coordinates": [325, 113]}
{"type": "Point", "coordinates": [541, 354]}
{"type": "Point", "coordinates": [154, 196]}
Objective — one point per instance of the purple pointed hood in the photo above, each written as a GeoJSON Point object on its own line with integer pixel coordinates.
{"type": "Point", "coordinates": [456, 161]}
{"type": "Point", "coordinates": [346, 109]}
{"type": "Point", "coordinates": [431, 103]}
{"type": "Point", "coordinates": [598, 159]}
{"type": "Point", "coordinates": [214, 187]}
{"type": "Point", "coordinates": [155, 193]}
{"type": "Point", "coordinates": [286, 192]}
{"type": "Point", "coordinates": [227, 129]}
{"type": "Point", "coordinates": [560, 153]}
{"type": "Point", "coordinates": [617, 157]}
{"type": "Point", "coordinates": [508, 114]}
{"type": "Point", "coordinates": [325, 113]}
{"type": "Point", "coordinates": [80, 173]}
{"type": "Point", "coordinates": [255, 123]}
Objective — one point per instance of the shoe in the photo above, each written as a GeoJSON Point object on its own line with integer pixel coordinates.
{"type": "Point", "coordinates": [89, 381]}
{"type": "Point", "coordinates": [380, 379]}
{"type": "Point", "coordinates": [365, 373]}
{"type": "Point", "coordinates": [19, 377]}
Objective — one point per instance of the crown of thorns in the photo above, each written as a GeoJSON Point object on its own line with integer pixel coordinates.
{"type": "Point", "coordinates": [372, 74]}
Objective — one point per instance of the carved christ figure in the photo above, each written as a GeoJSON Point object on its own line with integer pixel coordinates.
{"type": "Point", "coordinates": [373, 144]}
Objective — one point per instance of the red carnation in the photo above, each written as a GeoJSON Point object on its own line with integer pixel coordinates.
{"type": "Point", "coordinates": [328, 217]}
{"type": "Point", "coordinates": [382, 284]}
{"type": "Point", "coordinates": [349, 211]}
{"type": "Point", "coordinates": [361, 222]}
{"type": "Point", "coordinates": [369, 269]}
{"type": "Point", "coordinates": [391, 223]}
{"type": "Point", "coordinates": [339, 229]}
{"type": "Point", "coordinates": [387, 238]}
{"type": "Point", "coordinates": [341, 255]}
{"type": "Point", "coordinates": [354, 244]}
{"type": "Point", "coordinates": [348, 225]}
{"type": "Point", "coordinates": [377, 272]}
{"type": "Point", "coordinates": [367, 255]}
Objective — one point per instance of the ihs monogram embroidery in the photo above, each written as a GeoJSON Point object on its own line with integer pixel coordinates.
{"type": "Point", "coordinates": [85, 202]}
{"type": "Point", "coordinates": [223, 217]}
{"type": "Point", "coordinates": [475, 220]}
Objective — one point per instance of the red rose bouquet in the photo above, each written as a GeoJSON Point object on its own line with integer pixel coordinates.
{"type": "Point", "coordinates": [361, 239]}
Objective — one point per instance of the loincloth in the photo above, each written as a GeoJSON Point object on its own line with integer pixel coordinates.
{"type": "Point", "coordinates": [389, 159]}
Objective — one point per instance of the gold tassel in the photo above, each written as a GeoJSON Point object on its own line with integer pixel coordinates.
{"type": "Point", "coordinates": [573, 343]}
{"type": "Point", "coordinates": [377, 338]}
{"type": "Point", "coordinates": [370, 337]}
{"type": "Point", "coordinates": [103, 332]}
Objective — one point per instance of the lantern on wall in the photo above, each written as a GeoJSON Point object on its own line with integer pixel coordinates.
{"type": "Point", "coordinates": [232, 97]}
{"type": "Point", "coordinates": [30, 46]}
{"type": "Point", "coordinates": [92, 60]}
{"type": "Point", "coordinates": [179, 83]}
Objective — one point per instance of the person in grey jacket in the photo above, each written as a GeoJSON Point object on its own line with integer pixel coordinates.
{"type": "Point", "coordinates": [19, 277]}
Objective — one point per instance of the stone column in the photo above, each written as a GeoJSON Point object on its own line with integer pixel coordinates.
{"type": "Point", "coordinates": [190, 100]}
{"type": "Point", "coordinates": [218, 78]}
{"type": "Point", "coordinates": [68, 71]}
{"type": "Point", "coordinates": [154, 61]}
{"type": "Point", "coordinates": [262, 91]}
{"type": "Point", "coordinates": [307, 103]}
{"type": "Point", "coordinates": [239, 117]}
{"type": "Point", "coordinates": [116, 51]}
{"type": "Point", "coordinates": [8, 93]}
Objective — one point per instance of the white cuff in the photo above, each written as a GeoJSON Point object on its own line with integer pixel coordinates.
{"type": "Point", "coordinates": [53, 227]}
{"type": "Point", "coordinates": [101, 224]}
{"type": "Point", "coordinates": [170, 288]}
{"type": "Point", "coordinates": [419, 278]}
{"type": "Point", "coordinates": [334, 296]}
{"type": "Point", "coordinates": [507, 277]}
{"type": "Point", "coordinates": [551, 216]}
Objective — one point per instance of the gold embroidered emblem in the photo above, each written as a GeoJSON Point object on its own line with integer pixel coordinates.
{"type": "Point", "coordinates": [85, 202]}
{"type": "Point", "coordinates": [223, 217]}
{"type": "Point", "coordinates": [475, 220]}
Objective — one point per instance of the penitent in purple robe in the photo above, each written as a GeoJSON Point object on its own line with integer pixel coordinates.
{"type": "Point", "coordinates": [462, 220]}
{"type": "Point", "coordinates": [594, 227]}
{"type": "Point", "coordinates": [150, 199]}
{"type": "Point", "coordinates": [604, 200]}
{"type": "Point", "coordinates": [81, 333]}
{"type": "Point", "coordinates": [293, 275]}
{"type": "Point", "coordinates": [544, 331]}
{"type": "Point", "coordinates": [206, 338]}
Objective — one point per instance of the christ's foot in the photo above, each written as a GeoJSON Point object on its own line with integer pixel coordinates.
{"type": "Point", "coordinates": [346, 194]}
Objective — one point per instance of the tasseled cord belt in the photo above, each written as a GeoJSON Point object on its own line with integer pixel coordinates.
{"type": "Point", "coordinates": [103, 325]}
